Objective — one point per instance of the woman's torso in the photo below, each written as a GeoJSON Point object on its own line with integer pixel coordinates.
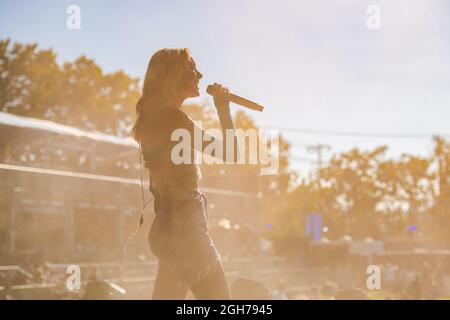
{"type": "Point", "coordinates": [168, 177]}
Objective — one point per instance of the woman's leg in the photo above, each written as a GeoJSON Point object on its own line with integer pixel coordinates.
{"type": "Point", "coordinates": [166, 288]}
{"type": "Point", "coordinates": [213, 286]}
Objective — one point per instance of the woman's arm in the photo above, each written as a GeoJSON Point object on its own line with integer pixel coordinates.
{"type": "Point", "coordinates": [222, 104]}
{"type": "Point", "coordinates": [160, 134]}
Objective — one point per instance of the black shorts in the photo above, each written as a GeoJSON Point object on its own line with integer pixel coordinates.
{"type": "Point", "coordinates": [179, 236]}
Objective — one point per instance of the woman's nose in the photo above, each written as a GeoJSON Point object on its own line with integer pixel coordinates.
{"type": "Point", "coordinates": [199, 75]}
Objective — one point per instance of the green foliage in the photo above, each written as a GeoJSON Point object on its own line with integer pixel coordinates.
{"type": "Point", "coordinates": [78, 93]}
{"type": "Point", "coordinates": [360, 193]}
{"type": "Point", "coordinates": [364, 194]}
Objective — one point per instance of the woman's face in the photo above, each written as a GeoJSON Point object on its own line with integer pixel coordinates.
{"type": "Point", "coordinates": [189, 80]}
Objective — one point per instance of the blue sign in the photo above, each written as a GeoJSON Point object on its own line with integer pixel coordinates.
{"type": "Point", "coordinates": [313, 225]}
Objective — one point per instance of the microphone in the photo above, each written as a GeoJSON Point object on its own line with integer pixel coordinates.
{"type": "Point", "coordinates": [239, 100]}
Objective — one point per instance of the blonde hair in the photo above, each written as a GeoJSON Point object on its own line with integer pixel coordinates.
{"type": "Point", "coordinates": [163, 75]}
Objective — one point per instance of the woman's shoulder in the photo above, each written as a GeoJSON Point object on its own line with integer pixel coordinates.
{"type": "Point", "coordinates": [174, 118]}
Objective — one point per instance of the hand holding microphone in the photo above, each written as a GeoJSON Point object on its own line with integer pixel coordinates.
{"type": "Point", "coordinates": [222, 98]}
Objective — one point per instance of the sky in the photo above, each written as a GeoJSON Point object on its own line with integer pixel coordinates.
{"type": "Point", "coordinates": [313, 64]}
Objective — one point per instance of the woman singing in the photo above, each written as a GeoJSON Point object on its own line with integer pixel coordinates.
{"type": "Point", "coordinates": [187, 257]}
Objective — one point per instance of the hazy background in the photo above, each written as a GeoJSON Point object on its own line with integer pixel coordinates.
{"type": "Point", "coordinates": [323, 77]}
{"type": "Point", "coordinates": [313, 65]}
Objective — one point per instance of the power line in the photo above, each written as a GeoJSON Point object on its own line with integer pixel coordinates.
{"type": "Point", "coordinates": [307, 160]}
{"type": "Point", "coordinates": [298, 143]}
{"type": "Point", "coordinates": [359, 134]}
{"type": "Point", "coordinates": [318, 148]}
{"type": "Point", "coordinates": [303, 159]}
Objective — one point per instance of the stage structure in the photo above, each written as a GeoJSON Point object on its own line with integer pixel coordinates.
{"type": "Point", "coordinates": [68, 194]}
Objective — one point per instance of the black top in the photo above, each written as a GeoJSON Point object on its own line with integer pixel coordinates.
{"type": "Point", "coordinates": [157, 148]}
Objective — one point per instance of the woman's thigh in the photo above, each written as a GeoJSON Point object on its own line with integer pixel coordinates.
{"type": "Point", "coordinates": [213, 286]}
{"type": "Point", "coordinates": [166, 287]}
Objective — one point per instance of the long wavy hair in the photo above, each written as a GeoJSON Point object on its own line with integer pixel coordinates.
{"type": "Point", "coordinates": [161, 82]}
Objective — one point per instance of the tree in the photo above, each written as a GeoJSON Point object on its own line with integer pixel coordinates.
{"type": "Point", "coordinates": [78, 93]}
{"type": "Point", "coordinates": [351, 177]}
{"type": "Point", "coordinates": [441, 211]}
{"type": "Point", "coordinates": [30, 79]}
